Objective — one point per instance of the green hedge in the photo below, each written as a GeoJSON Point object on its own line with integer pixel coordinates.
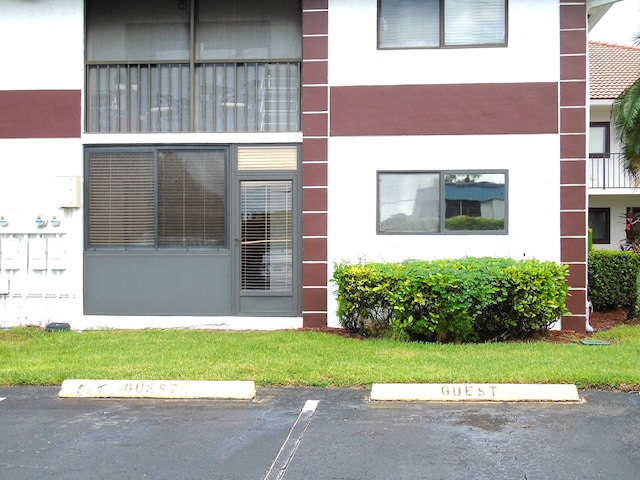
{"type": "Point", "coordinates": [613, 279]}
{"type": "Point", "coordinates": [465, 300]}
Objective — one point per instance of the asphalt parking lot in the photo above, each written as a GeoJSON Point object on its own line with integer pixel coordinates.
{"type": "Point", "coordinates": [294, 433]}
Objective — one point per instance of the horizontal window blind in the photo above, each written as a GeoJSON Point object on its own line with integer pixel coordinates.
{"type": "Point", "coordinates": [192, 198]}
{"type": "Point", "coordinates": [410, 23]}
{"type": "Point", "coordinates": [157, 197]}
{"type": "Point", "coordinates": [474, 22]}
{"type": "Point", "coordinates": [268, 158]}
{"type": "Point", "coordinates": [267, 235]}
{"type": "Point", "coordinates": [439, 23]}
{"type": "Point", "coordinates": [121, 199]}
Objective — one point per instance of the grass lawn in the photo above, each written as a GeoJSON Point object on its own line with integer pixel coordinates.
{"type": "Point", "coordinates": [31, 356]}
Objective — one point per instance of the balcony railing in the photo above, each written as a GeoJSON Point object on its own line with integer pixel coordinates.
{"type": "Point", "coordinates": [607, 171]}
{"type": "Point", "coordinates": [208, 97]}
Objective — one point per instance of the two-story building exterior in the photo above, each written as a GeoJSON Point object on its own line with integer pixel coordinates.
{"type": "Point", "coordinates": [205, 163]}
{"type": "Point", "coordinates": [614, 200]}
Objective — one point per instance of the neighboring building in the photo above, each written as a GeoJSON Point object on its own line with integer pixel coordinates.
{"type": "Point", "coordinates": [614, 200]}
{"type": "Point", "coordinates": [195, 163]}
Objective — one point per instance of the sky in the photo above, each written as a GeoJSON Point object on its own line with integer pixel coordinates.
{"type": "Point", "coordinates": [619, 24]}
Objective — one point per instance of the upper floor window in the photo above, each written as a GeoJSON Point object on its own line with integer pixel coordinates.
{"type": "Point", "coordinates": [193, 66]}
{"type": "Point", "coordinates": [441, 23]}
{"type": "Point", "coordinates": [598, 139]}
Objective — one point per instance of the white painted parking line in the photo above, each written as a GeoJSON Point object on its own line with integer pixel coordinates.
{"type": "Point", "coordinates": [3, 398]}
{"type": "Point", "coordinates": [290, 445]}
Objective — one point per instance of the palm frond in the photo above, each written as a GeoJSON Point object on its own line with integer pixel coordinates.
{"type": "Point", "coordinates": [625, 116]}
{"type": "Point", "coordinates": [627, 107]}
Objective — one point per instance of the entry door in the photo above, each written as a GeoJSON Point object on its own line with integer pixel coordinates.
{"type": "Point", "coordinates": [267, 247]}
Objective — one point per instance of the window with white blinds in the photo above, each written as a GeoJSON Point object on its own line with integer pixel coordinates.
{"type": "Point", "coordinates": [277, 157]}
{"type": "Point", "coordinates": [441, 23]}
{"type": "Point", "coordinates": [266, 235]}
{"type": "Point", "coordinates": [157, 198]}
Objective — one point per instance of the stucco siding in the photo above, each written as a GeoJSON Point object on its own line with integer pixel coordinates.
{"type": "Point", "coordinates": [533, 192]}
{"type": "Point", "coordinates": [42, 45]}
{"type": "Point", "coordinates": [531, 54]}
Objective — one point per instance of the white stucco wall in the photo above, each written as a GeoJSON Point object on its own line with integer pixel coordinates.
{"type": "Point", "coordinates": [533, 187]}
{"type": "Point", "coordinates": [42, 45]}
{"type": "Point", "coordinates": [40, 268]}
{"type": "Point", "coordinates": [43, 265]}
{"type": "Point", "coordinates": [618, 208]}
{"type": "Point", "coordinates": [46, 52]}
{"type": "Point", "coordinates": [532, 161]}
{"type": "Point", "coordinates": [531, 55]}
{"type": "Point", "coordinates": [43, 49]}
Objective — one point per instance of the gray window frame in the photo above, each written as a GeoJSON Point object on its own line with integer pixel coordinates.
{"type": "Point", "coordinates": [442, 203]}
{"type": "Point", "coordinates": [606, 239]}
{"type": "Point", "coordinates": [442, 33]}
{"type": "Point", "coordinates": [156, 149]}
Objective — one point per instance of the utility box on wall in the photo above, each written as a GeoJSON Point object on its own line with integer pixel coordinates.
{"type": "Point", "coordinates": [67, 192]}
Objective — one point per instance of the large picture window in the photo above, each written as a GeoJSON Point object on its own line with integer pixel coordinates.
{"type": "Point", "coordinates": [193, 66]}
{"type": "Point", "coordinates": [157, 197]}
{"type": "Point", "coordinates": [441, 23]}
{"type": "Point", "coordinates": [442, 202]}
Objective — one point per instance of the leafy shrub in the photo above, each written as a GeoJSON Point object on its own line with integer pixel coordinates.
{"type": "Point", "coordinates": [466, 300]}
{"type": "Point", "coordinates": [613, 279]}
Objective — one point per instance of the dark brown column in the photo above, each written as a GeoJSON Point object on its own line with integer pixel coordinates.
{"type": "Point", "coordinates": [315, 134]}
{"type": "Point", "coordinates": [573, 157]}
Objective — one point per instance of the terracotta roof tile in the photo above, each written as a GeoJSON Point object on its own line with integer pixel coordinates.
{"type": "Point", "coordinates": [612, 68]}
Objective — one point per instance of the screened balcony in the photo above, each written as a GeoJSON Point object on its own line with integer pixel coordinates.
{"type": "Point", "coordinates": [193, 66]}
{"type": "Point", "coordinates": [227, 97]}
{"type": "Point", "coordinates": [607, 172]}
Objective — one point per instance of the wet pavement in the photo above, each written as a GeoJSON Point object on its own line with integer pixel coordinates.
{"type": "Point", "coordinates": [281, 434]}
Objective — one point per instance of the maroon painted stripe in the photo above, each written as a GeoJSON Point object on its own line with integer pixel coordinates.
{"type": "Point", "coordinates": [463, 109]}
{"type": "Point", "coordinates": [40, 114]}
